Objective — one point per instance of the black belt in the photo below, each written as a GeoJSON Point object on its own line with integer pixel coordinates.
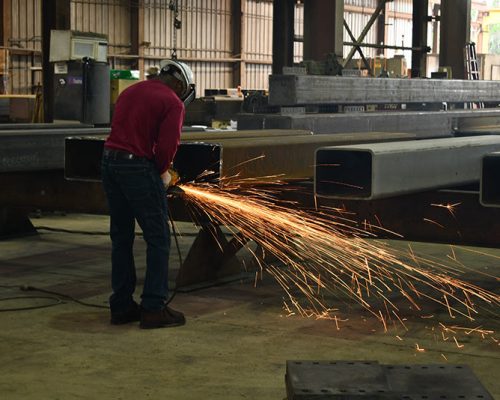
{"type": "Point", "coordinates": [121, 155]}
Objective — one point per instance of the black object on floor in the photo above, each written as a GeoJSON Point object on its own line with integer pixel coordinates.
{"type": "Point", "coordinates": [356, 380]}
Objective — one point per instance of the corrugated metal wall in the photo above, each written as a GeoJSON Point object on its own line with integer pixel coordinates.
{"type": "Point", "coordinates": [204, 41]}
{"type": "Point", "coordinates": [25, 43]}
{"type": "Point", "coordinates": [109, 17]}
{"type": "Point", "coordinates": [258, 20]}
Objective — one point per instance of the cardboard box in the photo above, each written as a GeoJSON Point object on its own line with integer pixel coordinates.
{"type": "Point", "coordinates": [118, 86]}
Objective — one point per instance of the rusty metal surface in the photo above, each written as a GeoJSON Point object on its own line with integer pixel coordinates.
{"type": "Point", "coordinates": [50, 191]}
{"type": "Point", "coordinates": [416, 217]}
{"type": "Point", "coordinates": [211, 135]}
{"type": "Point", "coordinates": [290, 157]}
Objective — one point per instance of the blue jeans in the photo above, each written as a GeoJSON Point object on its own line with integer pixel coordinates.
{"type": "Point", "coordinates": [135, 191]}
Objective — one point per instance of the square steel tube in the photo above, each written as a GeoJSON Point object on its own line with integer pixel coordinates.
{"type": "Point", "coordinates": [490, 180]}
{"type": "Point", "coordinates": [82, 159]}
{"type": "Point", "coordinates": [379, 170]}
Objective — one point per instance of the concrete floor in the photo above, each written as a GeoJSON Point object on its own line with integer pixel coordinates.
{"type": "Point", "coordinates": [234, 345]}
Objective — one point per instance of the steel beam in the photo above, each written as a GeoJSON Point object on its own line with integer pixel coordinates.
{"type": "Point", "coordinates": [454, 35]}
{"type": "Point", "coordinates": [416, 217]}
{"type": "Point", "coordinates": [48, 126]}
{"type": "Point", "coordinates": [82, 159]}
{"type": "Point", "coordinates": [490, 180]}
{"type": "Point", "coordinates": [424, 124]}
{"type": "Point", "coordinates": [290, 158]}
{"type": "Point", "coordinates": [216, 135]}
{"type": "Point", "coordinates": [261, 159]}
{"type": "Point", "coordinates": [37, 149]}
{"type": "Point", "coordinates": [293, 90]}
{"type": "Point", "coordinates": [374, 171]}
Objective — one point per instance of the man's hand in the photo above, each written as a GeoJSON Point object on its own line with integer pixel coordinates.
{"type": "Point", "coordinates": [166, 178]}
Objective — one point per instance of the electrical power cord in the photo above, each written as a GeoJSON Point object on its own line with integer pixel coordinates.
{"type": "Point", "coordinates": [174, 231]}
{"type": "Point", "coordinates": [58, 297]}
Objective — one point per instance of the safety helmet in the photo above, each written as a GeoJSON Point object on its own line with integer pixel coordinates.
{"type": "Point", "coordinates": [182, 72]}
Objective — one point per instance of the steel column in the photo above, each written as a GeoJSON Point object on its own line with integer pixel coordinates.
{"type": "Point", "coordinates": [366, 172]}
{"type": "Point", "coordinates": [455, 33]}
{"type": "Point", "coordinates": [137, 34]}
{"type": "Point", "coordinates": [380, 31]}
{"type": "Point", "coordinates": [56, 14]}
{"type": "Point", "coordinates": [5, 32]}
{"type": "Point", "coordinates": [283, 34]}
{"type": "Point", "coordinates": [323, 28]}
{"type": "Point", "coordinates": [419, 38]}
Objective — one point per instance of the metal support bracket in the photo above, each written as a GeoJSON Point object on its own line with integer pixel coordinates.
{"type": "Point", "coordinates": [211, 257]}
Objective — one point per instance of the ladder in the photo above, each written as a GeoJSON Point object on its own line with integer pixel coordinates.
{"type": "Point", "coordinates": [472, 68]}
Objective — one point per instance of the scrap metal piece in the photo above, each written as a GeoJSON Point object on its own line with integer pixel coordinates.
{"type": "Point", "coordinates": [372, 171]}
{"type": "Point", "coordinates": [355, 380]}
{"type": "Point", "coordinates": [435, 381]}
{"type": "Point", "coordinates": [292, 90]}
{"type": "Point", "coordinates": [307, 380]}
{"type": "Point", "coordinates": [490, 180]}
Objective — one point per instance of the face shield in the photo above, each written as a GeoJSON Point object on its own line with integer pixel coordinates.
{"type": "Point", "coordinates": [183, 73]}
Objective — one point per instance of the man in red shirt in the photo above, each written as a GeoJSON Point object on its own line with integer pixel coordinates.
{"type": "Point", "coordinates": [145, 134]}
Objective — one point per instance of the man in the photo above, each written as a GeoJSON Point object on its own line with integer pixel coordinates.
{"type": "Point", "coordinates": [145, 134]}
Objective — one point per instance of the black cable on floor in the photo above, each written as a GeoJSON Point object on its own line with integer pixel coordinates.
{"type": "Point", "coordinates": [56, 296]}
{"type": "Point", "coordinates": [59, 301]}
{"type": "Point", "coordinates": [174, 230]}
{"type": "Point", "coordinates": [66, 296]}
{"type": "Point", "coordinates": [56, 300]}
{"type": "Point", "coordinates": [61, 230]}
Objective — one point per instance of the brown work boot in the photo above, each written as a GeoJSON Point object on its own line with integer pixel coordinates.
{"type": "Point", "coordinates": [163, 318]}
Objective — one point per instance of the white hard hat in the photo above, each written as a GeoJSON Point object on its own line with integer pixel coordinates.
{"type": "Point", "coordinates": [182, 72]}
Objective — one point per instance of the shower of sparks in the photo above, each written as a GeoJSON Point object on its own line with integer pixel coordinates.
{"type": "Point", "coordinates": [324, 256]}
{"type": "Point", "coordinates": [450, 207]}
{"type": "Point", "coordinates": [433, 222]}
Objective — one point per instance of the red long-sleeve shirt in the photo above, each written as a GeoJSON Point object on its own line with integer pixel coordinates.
{"type": "Point", "coordinates": [147, 122]}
